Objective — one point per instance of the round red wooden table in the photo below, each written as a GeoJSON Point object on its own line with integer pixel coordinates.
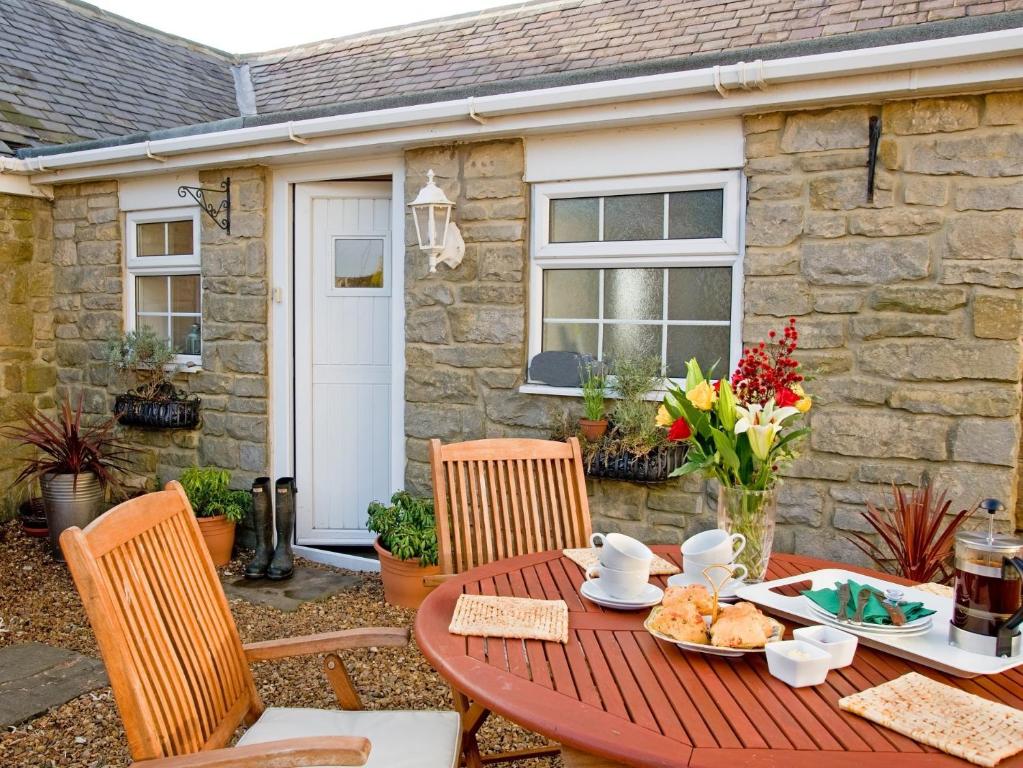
{"type": "Point", "coordinates": [616, 695]}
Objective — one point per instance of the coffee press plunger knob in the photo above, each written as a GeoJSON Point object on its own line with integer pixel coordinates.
{"type": "Point", "coordinates": [992, 507]}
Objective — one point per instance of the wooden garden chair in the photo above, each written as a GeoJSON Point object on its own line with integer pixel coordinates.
{"type": "Point", "coordinates": [180, 673]}
{"type": "Point", "coordinates": [495, 499]}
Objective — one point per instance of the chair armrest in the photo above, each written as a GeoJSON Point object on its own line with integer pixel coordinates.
{"type": "Point", "coordinates": [437, 579]}
{"type": "Point", "coordinates": [326, 642]}
{"type": "Point", "coordinates": [286, 753]}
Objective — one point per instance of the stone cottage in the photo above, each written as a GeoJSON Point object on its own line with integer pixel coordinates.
{"type": "Point", "coordinates": [667, 178]}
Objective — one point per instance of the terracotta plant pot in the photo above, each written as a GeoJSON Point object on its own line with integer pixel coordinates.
{"type": "Point", "coordinates": [33, 518]}
{"type": "Point", "coordinates": [218, 533]}
{"type": "Point", "coordinates": [403, 579]}
{"type": "Point", "coordinates": [593, 430]}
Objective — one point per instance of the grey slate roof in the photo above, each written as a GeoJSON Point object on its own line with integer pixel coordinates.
{"type": "Point", "coordinates": [69, 71]}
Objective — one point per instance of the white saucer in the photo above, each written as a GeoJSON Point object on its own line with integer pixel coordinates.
{"type": "Point", "coordinates": [592, 591]}
{"type": "Point", "coordinates": [727, 594]}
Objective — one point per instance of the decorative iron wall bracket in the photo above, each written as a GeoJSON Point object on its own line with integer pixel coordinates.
{"type": "Point", "coordinates": [221, 214]}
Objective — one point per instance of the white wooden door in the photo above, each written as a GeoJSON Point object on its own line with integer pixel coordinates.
{"type": "Point", "coordinates": [343, 407]}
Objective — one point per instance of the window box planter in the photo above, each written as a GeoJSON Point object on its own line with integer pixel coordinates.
{"type": "Point", "coordinates": [653, 467]}
{"type": "Point", "coordinates": [136, 411]}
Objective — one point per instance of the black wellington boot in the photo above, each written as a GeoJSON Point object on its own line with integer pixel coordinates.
{"type": "Point", "coordinates": [263, 518]}
{"type": "Point", "coordinates": [283, 563]}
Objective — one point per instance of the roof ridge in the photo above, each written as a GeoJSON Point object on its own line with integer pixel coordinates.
{"type": "Point", "coordinates": [510, 9]}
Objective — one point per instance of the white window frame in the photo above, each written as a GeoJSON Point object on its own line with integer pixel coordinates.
{"type": "Point", "coordinates": [161, 266]}
{"type": "Point", "coordinates": [724, 251]}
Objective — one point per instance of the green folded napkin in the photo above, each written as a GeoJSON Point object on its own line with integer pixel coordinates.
{"type": "Point", "coordinates": [873, 613]}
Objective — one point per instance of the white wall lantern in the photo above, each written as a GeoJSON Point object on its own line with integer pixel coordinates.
{"type": "Point", "coordinates": [437, 234]}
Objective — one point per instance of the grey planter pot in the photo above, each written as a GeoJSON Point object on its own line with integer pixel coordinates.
{"type": "Point", "coordinates": [68, 503]}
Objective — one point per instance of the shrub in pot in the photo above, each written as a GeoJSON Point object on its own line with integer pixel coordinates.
{"type": "Point", "coordinates": [217, 507]}
{"type": "Point", "coordinates": [143, 357]}
{"type": "Point", "coordinates": [593, 383]}
{"type": "Point", "coordinates": [74, 464]}
{"type": "Point", "coordinates": [407, 546]}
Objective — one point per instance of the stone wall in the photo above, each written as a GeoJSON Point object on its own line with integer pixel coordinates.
{"type": "Point", "coordinates": [88, 307]}
{"type": "Point", "coordinates": [27, 373]}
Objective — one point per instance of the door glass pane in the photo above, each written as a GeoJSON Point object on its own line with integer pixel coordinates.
{"type": "Point", "coordinates": [151, 294]}
{"type": "Point", "coordinates": [695, 214]}
{"type": "Point", "coordinates": [707, 343]}
{"type": "Point", "coordinates": [634, 217]}
{"type": "Point", "coordinates": [185, 293]}
{"type": "Point", "coordinates": [150, 239]}
{"type": "Point", "coordinates": [574, 220]}
{"type": "Point", "coordinates": [359, 263]}
{"type": "Point", "coordinates": [571, 293]}
{"type": "Point", "coordinates": [631, 341]}
{"type": "Point", "coordinates": [700, 293]}
{"type": "Point", "coordinates": [570, 337]}
{"type": "Point", "coordinates": [633, 294]}
{"type": "Point", "coordinates": [179, 237]}
{"type": "Point", "coordinates": [186, 335]}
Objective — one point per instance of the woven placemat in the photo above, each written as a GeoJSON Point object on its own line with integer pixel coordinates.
{"type": "Point", "coordinates": [515, 617]}
{"type": "Point", "coordinates": [941, 590]}
{"type": "Point", "coordinates": [586, 558]}
{"type": "Point", "coordinates": [954, 721]}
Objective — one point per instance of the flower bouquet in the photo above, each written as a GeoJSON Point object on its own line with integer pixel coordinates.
{"type": "Point", "coordinates": [742, 432]}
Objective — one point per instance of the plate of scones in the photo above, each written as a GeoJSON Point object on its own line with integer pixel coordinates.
{"type": "Point", "coordinates": [691, 618]}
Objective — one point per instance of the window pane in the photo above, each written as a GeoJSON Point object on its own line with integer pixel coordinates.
{"type": "Point", "coordinates": [359, 263]}
{"type": "Point", "coordinates": [695, 214]}
{"type": "Point", "coordinates": [570, 337]}
{"type": "Point", "coordinates": [157, 324]}
{"type": "Point", "coordinates": [574, 220]}
{"type": "Point", "coordinates": [571, 293]}
{"type": "Point", "coordinates": [151, 294]}
{"type": "Point", "coordinates": [700, 293]}
{"type": "Point", "coordinates": [631, 341]}
{"type": "Point", "coordinates": [634, 217]}
{"type": "Point", "coordinates": [185, 293]}
{"type": "Point", "coordinates": [150, 239]}
{"type": "Point", "coordinates": [707, 343]}
{"type": "Point", "coordinates": [186, 335]}
{"type": "Point", "coordinates": [179, 237]}
{"type": "Point", "coordinates": [633, 294]}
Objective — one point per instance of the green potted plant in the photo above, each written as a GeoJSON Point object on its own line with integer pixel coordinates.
{"type": "Point", "coordinates": [406, 544]}
{"type": "Point", "coordinates": [593, 383]}
{"type": "Point", "coordinates": [147, 360]}
{"type": "Point", "coordinates": [74, 464]}
{"type": "Point", "coordinates": [217, 508]}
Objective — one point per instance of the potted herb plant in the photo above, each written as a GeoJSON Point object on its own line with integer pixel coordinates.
{"type": "Point", "coordinates": [143, 357]}
{"type": "Point", "coordinates": [217, 508]}
{"type": "Point", "coordinates": [406, 545]}
{"type": "Point", "coordinates": [32, 513]}
{"type": "Point", "coordinates": [73, 463]}
{"type": "Point", "coordinates": [593, 383]}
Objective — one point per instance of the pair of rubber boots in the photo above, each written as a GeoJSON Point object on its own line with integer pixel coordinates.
{"type": "Point", "coordinates": [277, 563]}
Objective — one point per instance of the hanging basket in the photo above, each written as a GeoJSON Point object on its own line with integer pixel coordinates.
{"type": "Point", "coordinates": [653, 467]}
{"type": "Point", "coordinates": [133, 410]}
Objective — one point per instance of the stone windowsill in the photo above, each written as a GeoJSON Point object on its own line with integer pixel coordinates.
{"type": "Point", "coordinates": [546, 389]}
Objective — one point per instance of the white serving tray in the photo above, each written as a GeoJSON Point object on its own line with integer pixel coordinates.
{"type": "Point", "coordinates": [930, 649]}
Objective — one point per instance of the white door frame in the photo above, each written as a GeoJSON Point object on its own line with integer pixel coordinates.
{"type": "Point", "coordinates": [282, 350]}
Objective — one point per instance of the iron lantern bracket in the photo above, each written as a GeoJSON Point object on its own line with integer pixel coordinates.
{"type": "Point", "coordinates": [221, 214]}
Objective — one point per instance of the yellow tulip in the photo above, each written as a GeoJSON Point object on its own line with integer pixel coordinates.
{"type": "Point", "coordinates": [702, 396]}
{"type": "Point", "coordinates": [664, 419]}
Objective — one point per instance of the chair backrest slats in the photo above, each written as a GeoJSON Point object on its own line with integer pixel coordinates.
{"type": "Point", "coordinates": [163, 626]}
{"type": "Point", "coordinates": [501, 498]}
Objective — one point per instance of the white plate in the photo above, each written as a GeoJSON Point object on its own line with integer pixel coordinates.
{"type": "Point", "coordinates": [917, 626]}
{"type": "Point", "coordinates": [711, 650]}
{"type": "Point", "coordinates": [869, 629]}
{"type": "Point", "coordinates": [592, 591]}
{"type": "Point", "coordinates": [726, 595]}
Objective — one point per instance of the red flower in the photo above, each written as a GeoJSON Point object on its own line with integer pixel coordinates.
{"type": "Point", "coordinates": [717, 385]}
{"type": "Point", "coordinates": [785, 396]}
{"type": "Point", "coordinates": [680, 430]}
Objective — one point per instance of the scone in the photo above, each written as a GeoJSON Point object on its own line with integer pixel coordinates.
{"type": "Point", "coordinates": [741, 626]}
{"type": "Point", "coordinates": [682, 622]}
{"type": "Point", "coordinates": [697, 594]}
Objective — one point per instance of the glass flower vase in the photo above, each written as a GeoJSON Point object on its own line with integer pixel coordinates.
{"type": "Point", "coordinates": [753, 514]}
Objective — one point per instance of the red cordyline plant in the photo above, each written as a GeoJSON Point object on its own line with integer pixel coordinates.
{"type": "Point", "coordinates": [918, 533]}
{"type": "Point", "coordinates": [67, 447]}
{"type": "Point", "coordinates": [769, 369]}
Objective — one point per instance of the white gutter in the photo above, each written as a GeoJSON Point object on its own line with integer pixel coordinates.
{"type": "Point", "coordinates": [758, 75]}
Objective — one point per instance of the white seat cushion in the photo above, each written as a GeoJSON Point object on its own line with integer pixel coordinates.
{"type": "Point", "coordinates": [400, 739]}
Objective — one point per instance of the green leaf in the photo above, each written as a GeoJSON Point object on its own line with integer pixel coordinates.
{"type": "Point", "coordinates": [728, 455]}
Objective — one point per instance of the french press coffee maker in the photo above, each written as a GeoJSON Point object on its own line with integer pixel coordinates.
{"type": "Point", "coordinates": [988, 606]}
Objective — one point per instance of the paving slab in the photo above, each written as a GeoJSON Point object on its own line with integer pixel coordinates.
{"type": "Point", "coordinates": [306, 585]}
{"type": "Point", "coordinates": [34, 678]}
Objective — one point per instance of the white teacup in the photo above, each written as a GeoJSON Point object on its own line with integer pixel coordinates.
{"type": "Point", "coordinates": [695, 568]}
{"type": "Point", "coordinates": [713, 546]}
{"type": "Point", "coordinates": [622, 553]}
{"type": "Point", "coordinates": [621, 585]}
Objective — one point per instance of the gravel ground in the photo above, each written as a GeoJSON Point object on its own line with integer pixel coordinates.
{"type": "Point", "coordinates": [38, 603]}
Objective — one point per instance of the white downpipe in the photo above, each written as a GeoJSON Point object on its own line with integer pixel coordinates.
{"type": "Point", "coordinates": [722, 79]}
